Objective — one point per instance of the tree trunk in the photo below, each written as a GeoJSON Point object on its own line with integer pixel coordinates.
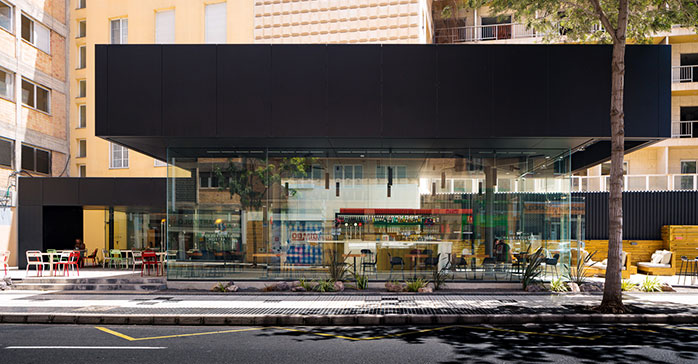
{"type": "Point", "coordinates": [612, 296]}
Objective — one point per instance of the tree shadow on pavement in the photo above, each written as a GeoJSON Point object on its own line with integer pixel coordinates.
{"type": "Point", "coordinates": [539, 343]}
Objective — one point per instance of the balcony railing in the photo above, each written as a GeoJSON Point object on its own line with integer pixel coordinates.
{"type": "Point", "coordinates": [484, 32]}
{"type": "Point", "coordinates": [684, 73]}
{"type": "Point", "coordinates": [646, 182]}
{"type": "Point", "coordinates": [683, 129]}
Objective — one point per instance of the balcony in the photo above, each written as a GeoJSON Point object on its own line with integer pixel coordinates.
{"type": "Point", "coordinates": [684, 129]}
{"type": "Point", "coordinates": [647, 182]}
{"type": "Point", "coordinates": [683, 74]}
{"type": "Point", "coordinates": [479, 33]}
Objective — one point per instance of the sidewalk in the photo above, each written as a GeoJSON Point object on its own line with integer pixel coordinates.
{"type": "Point", "coordinates": [175, 308]}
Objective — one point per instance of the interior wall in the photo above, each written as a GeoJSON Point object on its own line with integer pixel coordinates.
{"type": "Point", "coordinates": [94, 230]}
{"type": "Point", "coordinates": [62, 225]}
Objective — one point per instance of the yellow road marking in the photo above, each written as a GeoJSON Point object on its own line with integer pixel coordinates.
{"type": "Point", "coordinates": [642, 330]}
{"type": "Point", "coordinates": [682, 328]}
{"type": "Point", "coordinates": [173, 336]}
{"type": "Point", "coordinates": [413, 332]}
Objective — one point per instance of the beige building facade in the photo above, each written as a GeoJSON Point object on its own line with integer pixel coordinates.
{"type": "Point", "coordinates": [33, 100]}
{"type": "Point", "coordinates": [667, 165]}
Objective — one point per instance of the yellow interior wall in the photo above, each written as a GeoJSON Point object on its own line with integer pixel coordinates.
{"type": "Point", "coordinates": [93, 230]}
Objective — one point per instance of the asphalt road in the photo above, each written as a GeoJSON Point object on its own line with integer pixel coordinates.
{"type": "Point", "coordinates": [302, 345]}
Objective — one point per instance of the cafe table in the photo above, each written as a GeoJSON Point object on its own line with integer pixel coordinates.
{"type": "Point", "coordinates": [353, 255]}
{"type": "Point", "coordinates": [51, 260]}
{"type": "Point", "coordinates": [415, 257]}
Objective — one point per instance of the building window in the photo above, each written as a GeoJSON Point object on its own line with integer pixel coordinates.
{"type": "Point", "coordinates": [6, 82]}
{"type": "Point", "coordinates": [686, 182]}
{"type": "Point", "coordinates": [208, 180]}
{"type": "Point", "coordinates": [159, 163]}
{"type": "Point", "coordinates": [119, 31]}
{"type": "Point", "coordinates": [343, 171]}
{"type": "Point", "coordinates": [118, 156]}
{"type": "Point", "coordinates": [165, 27]}
{"type": "Point", "coordinates": [5, 16]}
{"type": "Point", "coordinates": [6, 152]}
{"type": "Point", "coordinates": [82, 116]}
{"type": "Point", "coordinates": [82, 4]}
{"type": "Point", "coordinates": [35, 96]}
{"type": "Point", "coordinates": [82, 28]}
{"type": "Point", "coordinates": [215, 23]}
{"type": "Point", "coordinates": [82, 170]}
{"type": "Point", "coordinates": [82, 88]}
{"type": "Point", "coordinates": [606, 168]}
{"type": "Point", "coordinates": [36, 160]}
{"type": "Point", "coordinates": [82, 57]}
{"type": "Point", "coordinates": [36, 34]}
{"type": "Point", "coordinates": [398, 172]}
{"type": "Point", "coordinates": [688, 167]}
{"type": "Point", "coordinates": [82, 148]}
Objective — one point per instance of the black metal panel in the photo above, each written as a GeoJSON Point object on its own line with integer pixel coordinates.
{"type": "Point", "coordinates": [463, 108]}
{"type": "Point", "coordinates": [641, 98]}
{"type": "Point", "coordinates": [353, 80]}
{"type": "Point", "coordinates": [244, 93]}
{"type": "Point", "coordinates": [299, 90]}
{"type": "Point", "coordinates": [518, 88]}
{"type": "Point", "coordinates": [409, 92]}
{"type": "Point", "coordinates": [191, 95]}
{"type": "Point", "coordinates": [29, 231]}
{"type": "Point", "coordinates": [591, 64]}
{"type": "Point", "coordinates": [293, 96]}
{"type": "Point", "coordinates": [133, 90]}
{"type": "Point", "coordinates": [100, 102]}
{"type": "Point", "coordinates": [94, 190]}
{"type": "Point", "coordinates": [644, 213]}
{"type": "Point", "coordinates": [30, 191]}
{"type": "Point", "coordinates": [59, 191]}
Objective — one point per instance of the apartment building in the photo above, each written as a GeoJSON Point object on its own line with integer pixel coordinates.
{"type": "Point", "coordinates": [666, 165]}
{"type": "Point", "coordinates": [33, 100]}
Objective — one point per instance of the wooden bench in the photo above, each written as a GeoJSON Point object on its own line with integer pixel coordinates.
{"type": "Point", "coordinates": [625, 273]}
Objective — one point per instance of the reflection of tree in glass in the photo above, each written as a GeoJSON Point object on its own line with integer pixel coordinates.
{"type": "Point", "coordinates": [251, 178]}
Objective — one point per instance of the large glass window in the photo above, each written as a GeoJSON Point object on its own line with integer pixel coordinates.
{"type": "Point", "coordinates": [268, 214]}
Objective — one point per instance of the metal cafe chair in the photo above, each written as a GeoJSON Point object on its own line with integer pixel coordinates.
{"type": "Point", "coordinates": [552, 262]}
{"type": "Point", "coordinates": [687, 268]}
{"type": "Point", "coordinates": [368, 259]}
{"type": "Point", "coordinates": [67, 260]}
{"type": "Point", "coordinates": [396, 261]}
{"type": "Point", "coordinates": [5, 259]}
{"type": "Point", "coordinates": [137, 257]}
{"type": "Point", "coordinates": [149, 260]}
{"type": "Point", "coordinates": [34, 257]}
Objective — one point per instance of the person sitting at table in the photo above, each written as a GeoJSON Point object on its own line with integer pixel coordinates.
{"type": "Point", "coordinates": [79, 245]}
{"type": "Point", "coordinates": [502, 252]}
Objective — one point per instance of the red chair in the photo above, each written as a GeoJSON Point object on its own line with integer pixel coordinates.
{"type": "Point", "coordinates": [92, 257]}
{"type": "Point", "coordinates": [73, 259]}
{"type": "Point", "coordinates": [5, 259]}
{"type": "Point", "coordinates": [150, 259]}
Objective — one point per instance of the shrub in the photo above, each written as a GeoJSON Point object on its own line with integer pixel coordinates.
{"type": "Point", "coordinates": [558, 285]}
{"type": "Point", "coordinates": [308, 286]}
{"type": "Point", "coordinates": [439, 276]}
{"type": "Point", "coordinates": [220, 287]}
{"type": "Point", "coordinates": [325, 286]}
{"type": "Point", "coordinates": [416, 284]}
{"type": "Point", "coordinates": [578, 274]}
{"type": "Point", "coordinates": [651, 284]}
{"type": "Point", "coordinates": [626, 285]}
{"type": "Point", "coordinates": [532, 271]}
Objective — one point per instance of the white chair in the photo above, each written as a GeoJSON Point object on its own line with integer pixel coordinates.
{"type": "Point", "coordinates": [65, 257]}
{"type": "Point", "coordinates": [34, 257]}
{"type": "Point", "coordinates": [106, 258]}
{"type": "Point", "coordinates": [137, 257]}
{"type": "Point", "coordinates": [5, 259]}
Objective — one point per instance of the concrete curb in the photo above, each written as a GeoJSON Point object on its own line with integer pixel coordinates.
{"type": "Point", "coordinates": [344, 320]}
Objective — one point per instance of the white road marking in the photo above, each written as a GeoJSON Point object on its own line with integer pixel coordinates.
{"type": "Point", "coordinates": [89, 347]}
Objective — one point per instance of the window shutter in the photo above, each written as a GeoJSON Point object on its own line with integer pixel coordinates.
{"type": "Point", "coordinates": [43, 37]}
{"type": "Point", "coordinates": [165, 27]}
{"type": "Point", "coordinates": [216, 23]}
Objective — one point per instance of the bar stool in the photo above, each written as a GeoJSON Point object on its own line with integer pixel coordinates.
{"type": "Point", "coordinates": [687, 268]}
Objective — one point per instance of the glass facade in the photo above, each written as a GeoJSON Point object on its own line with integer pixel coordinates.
{"type": "Point", "coordinates": [389, 214]}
